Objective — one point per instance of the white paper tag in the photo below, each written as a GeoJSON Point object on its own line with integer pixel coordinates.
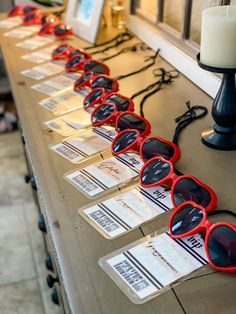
{"type": "Point", "coordinates": [129, 209]}
{"type": "Point", "coordinates": [22, 32]}
{"type": "Point", "coordinates": [57, 84]}
{"type": "Point", "coordinates": [63, 102]}
{"type": "Point", "coordinates": [34, 42]}
{"type": "Point", "coordinates": [41, 71]}
{"type": "Point", "coordinates": [40, 56]}
{"type": "Point", "coordinates": [88, 143]}
{"type": "Point", "coordinates": [104, 175]}
{"type": "Point", "coordinates": [70, 123]}
{"type": "Point", "coordinates": [149, 267]}
{"type": "Point", "coordinates": [10, 22]}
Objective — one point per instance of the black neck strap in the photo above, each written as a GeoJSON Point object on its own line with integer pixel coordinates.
{"type": "Point", "coordinates": [193, 113]}
{"type": "Point", "coordinates": [134, 48]}
{"type": "Point", "coordinates": [167, 77]}
{"type": "Point", "coordinates": [221, 211]}
{"type": "Point", "coordinates": [118, 40]}
{"type": "Point", "coordinates": [153, 60]}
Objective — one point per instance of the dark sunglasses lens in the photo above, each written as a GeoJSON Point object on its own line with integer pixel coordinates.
{"type": "Point", "coordinates": [222, 247]}
{"type": "Point", "coordinates": [28, 9]}
{"type": "Point", "coordinates": [61, 30]}
{"type": "Point", "coordinates": [95, 67]}
{"type": "Point", "coordinates": [93, 96]}
{"type": "Point", "coordinates": [61, 49]}
{"type": "Point", "coordinates": [122, 104]}
{"type": "Point", "coordinates": [186, 220]}
{"type": "Point", "coordinates": [78, 52]}
{"type": "Point", "coordinates": [124, 141]}
{"type": "Point", "coordinates": [129, 121]}
{"type": "Point", "coordinates": [154, 147]}
{"type": "Point", "coordinates": [83, 78]}
{"type": "Point", "coordinates": [188, 189]}
{"type": "Point", "coordinates": [155, 171]}
{"type": "Point", "coordinates": [45, 27]}
{"type": "Point", "coordinates": [29, 17]}
{"type": "Point", "coordinates": [103, 113]}
{"type": "Point", "coordinates": [103, 82]}
{"type": "Point", "coordinates": [74, 62]}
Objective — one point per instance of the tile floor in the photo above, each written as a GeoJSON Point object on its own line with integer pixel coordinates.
{"type": "Point", "coordinates": [23, 287]}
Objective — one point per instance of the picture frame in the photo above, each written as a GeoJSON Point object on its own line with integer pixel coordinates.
{"type": "Point", "coordinates": [85, 16]}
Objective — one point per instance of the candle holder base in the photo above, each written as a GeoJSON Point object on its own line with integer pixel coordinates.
{"type": "Point", "coordinates": [219, 141]}
{"type": "Point", "coordinates": [223, 134]}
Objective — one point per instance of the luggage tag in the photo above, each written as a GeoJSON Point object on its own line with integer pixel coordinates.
{"type": "Point", "coordinates": [40, 56]}
{"type": "Point", "coordinates": [57, 84]}
{"type": "Point", "coordinates": [64, 102]}
{"type": "Point", "coordinates": [23, 31]}
{"type": "Point", "coordinates": [106, 175]}
{"type": "Point", "coordinates": [70, 123]}
{"type": "Point", "coordinates": [49, 68]}
{"type": "Point", "coordinates": [129, 209]}
{"type": "Point", "coordinates": [86, 145]}
{"type": "Point", "coordinates": [11, 22]}
{"type": "Point", "coordinates": [35, 42]}
{"type": "Point", "coordinates": [148, 267]}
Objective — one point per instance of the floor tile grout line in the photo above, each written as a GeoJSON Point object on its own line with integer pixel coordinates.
{"type": "Point", "coordinates": [17, 282]}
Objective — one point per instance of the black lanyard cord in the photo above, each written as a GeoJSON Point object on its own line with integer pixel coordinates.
{"type": "Point", "coordinates": [151, 86]}
{"type": "Point", "coordinates": [117, 37]}
{"type": "Point", "coordinates": [188, 117]}
{"type": "Point", "coordinates": [141, 105]}
{"type": "Point", "coordinates": [166, 78]}
{"type": "Point", "coordinates": [153, 58]}
{"type": "Point", "coordinates": [221, 211]}
{"type": "Point", "coordinates": [120, 39]}
{"type": "Point", "coordinates": [133, 48]}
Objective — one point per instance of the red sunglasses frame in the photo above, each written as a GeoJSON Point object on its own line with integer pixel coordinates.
{"type": "Point", "coordinates": [104, 97]}
{"type": "Point", "coordinates": [35, 20]}
{"type": "Point", "coordinates": [89, 82]}
{"type": "Point", "coordinates": [173, 179]}
{"type": "Point", "coordinates": [206, 227]}
{"type": "Point", "coordinates": [62, 54]}
{"type": "Point", "coordinates": [63, 36]}
{"type": "Point", "coordinates": [117, 115]}
{"type": "Point", "coordinates": [19, 10]}
{"type": "Point", "coordinates": [83, 65]}
{"type": "Point", "coordinates": [138, 143]}
{"type": "Point", "coordinates": [50, 25]}
{"type": "Point", "coordinates": [77, 67]}
{"type": "Point", "coordinates": [79, 51]}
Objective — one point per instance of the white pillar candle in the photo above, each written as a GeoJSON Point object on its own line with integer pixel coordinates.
{"type": "Point", "coordinates": [218, 37]}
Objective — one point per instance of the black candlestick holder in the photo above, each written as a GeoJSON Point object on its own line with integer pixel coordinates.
{"type": "Point", "coordinates": [223, 134]}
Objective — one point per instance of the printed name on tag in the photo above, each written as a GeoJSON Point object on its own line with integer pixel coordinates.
{"type": "Point", "coordinates": [151, 266]}
{"type": "Point", "coordinates": [41, 71]}
{"type": "Point", "coordinates": [10, 22]}
{"type": "Point", "coordinates": [57, 84]}
{"type": "Point", "coordinates": [22, 32]}
{"type": "Point", "coordinates": [87, 144]}
{"type": "Point", "coordinates": [70, 123]}
{"type": "Point", "coordinates": [34, 42]}
{"type": "Point", "coordinates": [40, 56]}
{"type": "Point", "coordinates": [64, 102]}
{"type": "Point", "coordinates": [104, 175]}
{"type": "Point", "coordinates": [128, 210]}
